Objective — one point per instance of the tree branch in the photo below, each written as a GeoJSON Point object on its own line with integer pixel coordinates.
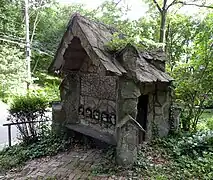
{"type": "Point", "coordinates": [34, 27]}
{"type": "Point", "coordinates": [116, 4]}
{"type": "Point", "coordinates": [164, 4]}
{"type": "Point", "coordinates": [172, 3]}
{"type": "Point", "coordinates": [192, 4]}
{"type": "Point", "coordinates": [157, 5]}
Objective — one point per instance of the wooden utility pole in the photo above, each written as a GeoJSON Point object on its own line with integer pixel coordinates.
{"type": "Point", "coordinates": [28, 50]}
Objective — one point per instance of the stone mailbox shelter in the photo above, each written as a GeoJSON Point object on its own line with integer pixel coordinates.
{"type": "Point", "coordinates": [120, 98]}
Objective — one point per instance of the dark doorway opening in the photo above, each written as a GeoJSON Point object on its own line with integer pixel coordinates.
{"type": "Point", "coordinates": [142, 115]}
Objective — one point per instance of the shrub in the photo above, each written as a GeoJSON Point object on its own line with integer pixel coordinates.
{"type": "Point", "coordinates": [187, 156]}
{"type": "Point", "coordinates": [30, 108]}
{"type": "Point", "coordinates": [192, 145]}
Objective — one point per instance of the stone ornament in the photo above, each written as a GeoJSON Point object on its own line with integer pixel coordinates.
{"type": "Point", "coordinates": [104, 117]}
{"type": "Point", "coordinates": [88, 113]}
{"type": "Point", "coordinates": [81, 110]}
{"type": "Point", "coordinates": [96, 115]}
{"type": "Point", "coordinates": [112, 118]}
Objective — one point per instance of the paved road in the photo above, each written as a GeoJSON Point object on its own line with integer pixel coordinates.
{"type": "Point", "coordinates": [3, 129]}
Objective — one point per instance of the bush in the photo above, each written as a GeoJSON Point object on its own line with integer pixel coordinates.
{"type": "Point", "coordinates": [192, 145]}
{"type": "Point", "coordinates": [187, 156]}
{"type": "Point", "coordinates": [30, 108]}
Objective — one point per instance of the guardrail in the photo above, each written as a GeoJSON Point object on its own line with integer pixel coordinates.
{"type": "Point", "coordinates": [11, 124]}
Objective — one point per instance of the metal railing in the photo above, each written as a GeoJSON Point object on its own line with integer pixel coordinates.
{"type": "Point", "coordinates": [17, 123]}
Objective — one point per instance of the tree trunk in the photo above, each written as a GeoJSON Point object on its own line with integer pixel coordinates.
{"type": "Point", "coordinates": [163, 26]}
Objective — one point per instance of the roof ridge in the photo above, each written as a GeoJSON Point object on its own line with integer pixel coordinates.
{"type": "Point", "coordinates": [94, 20]}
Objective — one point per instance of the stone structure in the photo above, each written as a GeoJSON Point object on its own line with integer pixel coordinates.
{"type": "Point", "coordinates": [121, 98]}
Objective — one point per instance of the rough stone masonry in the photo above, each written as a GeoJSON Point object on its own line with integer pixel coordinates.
{"type": "Point", "coordinates": [121, 98]}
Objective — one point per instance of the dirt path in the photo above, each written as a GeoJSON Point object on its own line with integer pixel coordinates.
{"type": "Point", "coordinates": [73, 165]}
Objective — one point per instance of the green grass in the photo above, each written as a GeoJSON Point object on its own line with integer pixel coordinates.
{"type": "Point", "coordinates": [206, 120]}
{"type": "Point", "coordinates": [208, 113]}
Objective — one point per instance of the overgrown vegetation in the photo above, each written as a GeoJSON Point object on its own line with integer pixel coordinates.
{"type": "Point", "coordinates": [184, 157]}
{"type": "Point", "coordinates": [47, 144]}
{"type": "Point", "coordinates": [37, 139]}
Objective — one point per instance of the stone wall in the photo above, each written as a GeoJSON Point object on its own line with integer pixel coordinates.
{"type": "Point", "coordinates": [89, 97]}
{"type": "Point", "coordinates": [128, 98]}
{"type": "Point", "coordinates": [159, 110]}
{"type": "Point", "coordinates": [162, 107]}
{"type": "Point", "coordinates": [69, 91]}
{"type": "Point", "coordinates": [97, 106]}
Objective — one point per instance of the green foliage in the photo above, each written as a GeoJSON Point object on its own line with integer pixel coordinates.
{"type": "Point", "coordinates": [119, 41]}
{"type": "Point", "coordinates": [11, 19]}
{"type": "Point", "coordinates": [191, 154]}
{"type": "Point", "coordinates": [193, 85]}
{"type": "Point", "coordinates": [12, 63]}
{"type": "Point", "coordinates": [28, 103]}
{"type": "Point", "coordinates": [186, 156]}
{"type": "Point", "coordinates": [28, 108]}
{"type": "Point", "coordinates": [194, 145]}
{"type": "Point", "coordinates": [210, 123]}
{"type": "Point", "coordinates": [108, 165]}
{"type": "Point", "coordinates": [12, 71]}
{"type": "Point", "coordinates": [48, 86]}
{"type": "Point", "coordinates": [206, 120]}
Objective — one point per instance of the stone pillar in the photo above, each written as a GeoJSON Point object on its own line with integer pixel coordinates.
{"type": "Point", "coordinates": [175, 118]}
{"type": "Point", "coordinates": [127, 145]}
{"type": "Point", "coordinates": [162, 103]}
{"type": "Point", "coordinates": [71, 97]}
{"type": "Point", "coordinates": [58, 117]}
{"type": "Point", "coordinates": [127, 127]}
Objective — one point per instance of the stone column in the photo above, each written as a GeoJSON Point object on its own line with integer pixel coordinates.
{"type": "Point", "coordinates": [71, 98]}
{"type": "Point", "coordinates": [162, 103]}
{"type": "Point", "coordinates": [127, 127]}
{"type": "Point", "coordinates": [58, 117]}
{"type": "Point", "coordinates": [127, 142]}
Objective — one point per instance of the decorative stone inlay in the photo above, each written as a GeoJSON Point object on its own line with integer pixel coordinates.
{"type": "Point", "coordinates": [102, 87]}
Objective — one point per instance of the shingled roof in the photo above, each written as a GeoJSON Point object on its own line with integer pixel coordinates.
{"type": "Point", "coordinates": [94, 36]}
